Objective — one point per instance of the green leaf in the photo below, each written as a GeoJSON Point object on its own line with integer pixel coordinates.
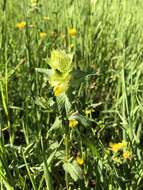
{"type": "Point", "coordinates": [92, 147]}
{"type": "Point", "coordinates": [56, 125]}
{"type": "Point", "coordinates": [63, 102]}
{"type": "Point", "coordinates": [5, 182]}
{"type": "Point", "coordinates": [83, 120]}
{"type": "Point", "coordinates": [29, 173]}
{"type": "Point", "coordinates": [61, 61]}
{"type": "Point", "coordinates": [73, 169]}
{"type": "Point", "coordinates": [40, 101]}
{"type": "Point", "coordinates": [47, 72]}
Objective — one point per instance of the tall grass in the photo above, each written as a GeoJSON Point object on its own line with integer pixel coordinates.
{"type": "Point", "coordinates": [107, 81]}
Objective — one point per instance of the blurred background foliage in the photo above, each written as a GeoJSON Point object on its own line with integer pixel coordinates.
{"type": "Point", "coordinates": [106, 94]}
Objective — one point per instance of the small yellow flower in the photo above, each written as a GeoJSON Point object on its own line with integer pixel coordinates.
{"type": "Point", "coordinates": [46, 18]}
{"type": "Point", "coordinates": [21, 25]}
{"type": "Point", "coordinates": [43, 35]}
{"type": "Point", "coordinates": [72, 32]}
{"type": "Point", "coordinates": [79, 160]}
{"type": "Point", "coordinates": [115, 147]}
{"type": "Point", "coordinates": [72, 123]}
{"type": "Point", "coordinates": [59, 89]}
{"type": "Point", "coordinates": [127, 155]}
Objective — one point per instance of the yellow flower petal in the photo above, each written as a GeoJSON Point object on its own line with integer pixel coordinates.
{"type": "Point", "coordinates": [115, 147]}
{"type": "Point", "coordinates": [127, 155]}
{"type": "Point", "coordinates": [21, 25]}
{"type": "Point", "coordinates": [73, 123]}
{"type": "Point", "coordinates": [43, 35]}
{"type": "Point", "coordinates": [72, 32]}
{"type": "Point", "coordinates": [79, 160]}
{"type": "Point", "coordinates": [59, 89]}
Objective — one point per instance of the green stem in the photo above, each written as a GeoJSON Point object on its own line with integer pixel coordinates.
{"type": "Point", "coordinates": [66, 157]}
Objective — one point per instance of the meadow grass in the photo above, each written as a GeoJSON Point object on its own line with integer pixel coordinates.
{"type": "Point", "coordinates": [38, 149]}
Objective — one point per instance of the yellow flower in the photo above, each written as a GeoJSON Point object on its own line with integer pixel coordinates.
{"type": "Point", "coordinates": [59, 89]}
{"type": "Point", "coordinates": [115, 147]}
{"type": "Point", "coordinates": [72, 123]}
{"type": "Point", "coordinates": [43, 35]}
{"type": "Point", "coordinates": [21, 25]}
{"type": "Point", "coordinates": [79, 160]}
{"type": "Point", "coordinates": [127, 155]}
{"type": "Point", "coordinates": [46, 18]}
{"type": "Point", "coordinates": [72, 32]}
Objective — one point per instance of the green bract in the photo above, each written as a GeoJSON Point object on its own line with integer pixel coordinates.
{"type": "Point", "coordinates": [61, 61]}
{"type": "Point", "coordinates": [61, 66]}
{"type": "Point", "coordinates": [57, 77]}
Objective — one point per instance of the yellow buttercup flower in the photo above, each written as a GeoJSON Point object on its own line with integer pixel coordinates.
{"type": "Point", "coordinates": [21, 25]}
{"type": "Point", "coordinates": [115, 147]}
{"type": "Point", "coordinates": [72, 123]}
{"type": "Point", "coordinates": [43, 35]}
{"type": "Point", "coordinates": [72, 32]}
{"type": "Point", "coordinates": [79, 160]}
{"type": "Point", "coordinates": [127, 155]}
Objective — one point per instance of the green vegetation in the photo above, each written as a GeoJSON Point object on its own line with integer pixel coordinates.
{"type": "Point", "coordinates": [71, 95]}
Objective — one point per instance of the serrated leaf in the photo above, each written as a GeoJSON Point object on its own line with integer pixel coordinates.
{"type": "Point", "coordinates": [61, 61]}
{"type": "Point", "coordinates": [83, 120]}
{"type": "Point", "coordinates": [40, 101]}
{"type": "Point", "coordinates": [56, 125]}
{"type": "Point", "coordinates": [92, 147]}
{"type": "Point", "coordinates": [73, 169]}
{"type": "Point", "coordinates": [63, 101]}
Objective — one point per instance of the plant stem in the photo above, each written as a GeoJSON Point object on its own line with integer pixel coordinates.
{"type": "Point", "coordinates": [66, 157]}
